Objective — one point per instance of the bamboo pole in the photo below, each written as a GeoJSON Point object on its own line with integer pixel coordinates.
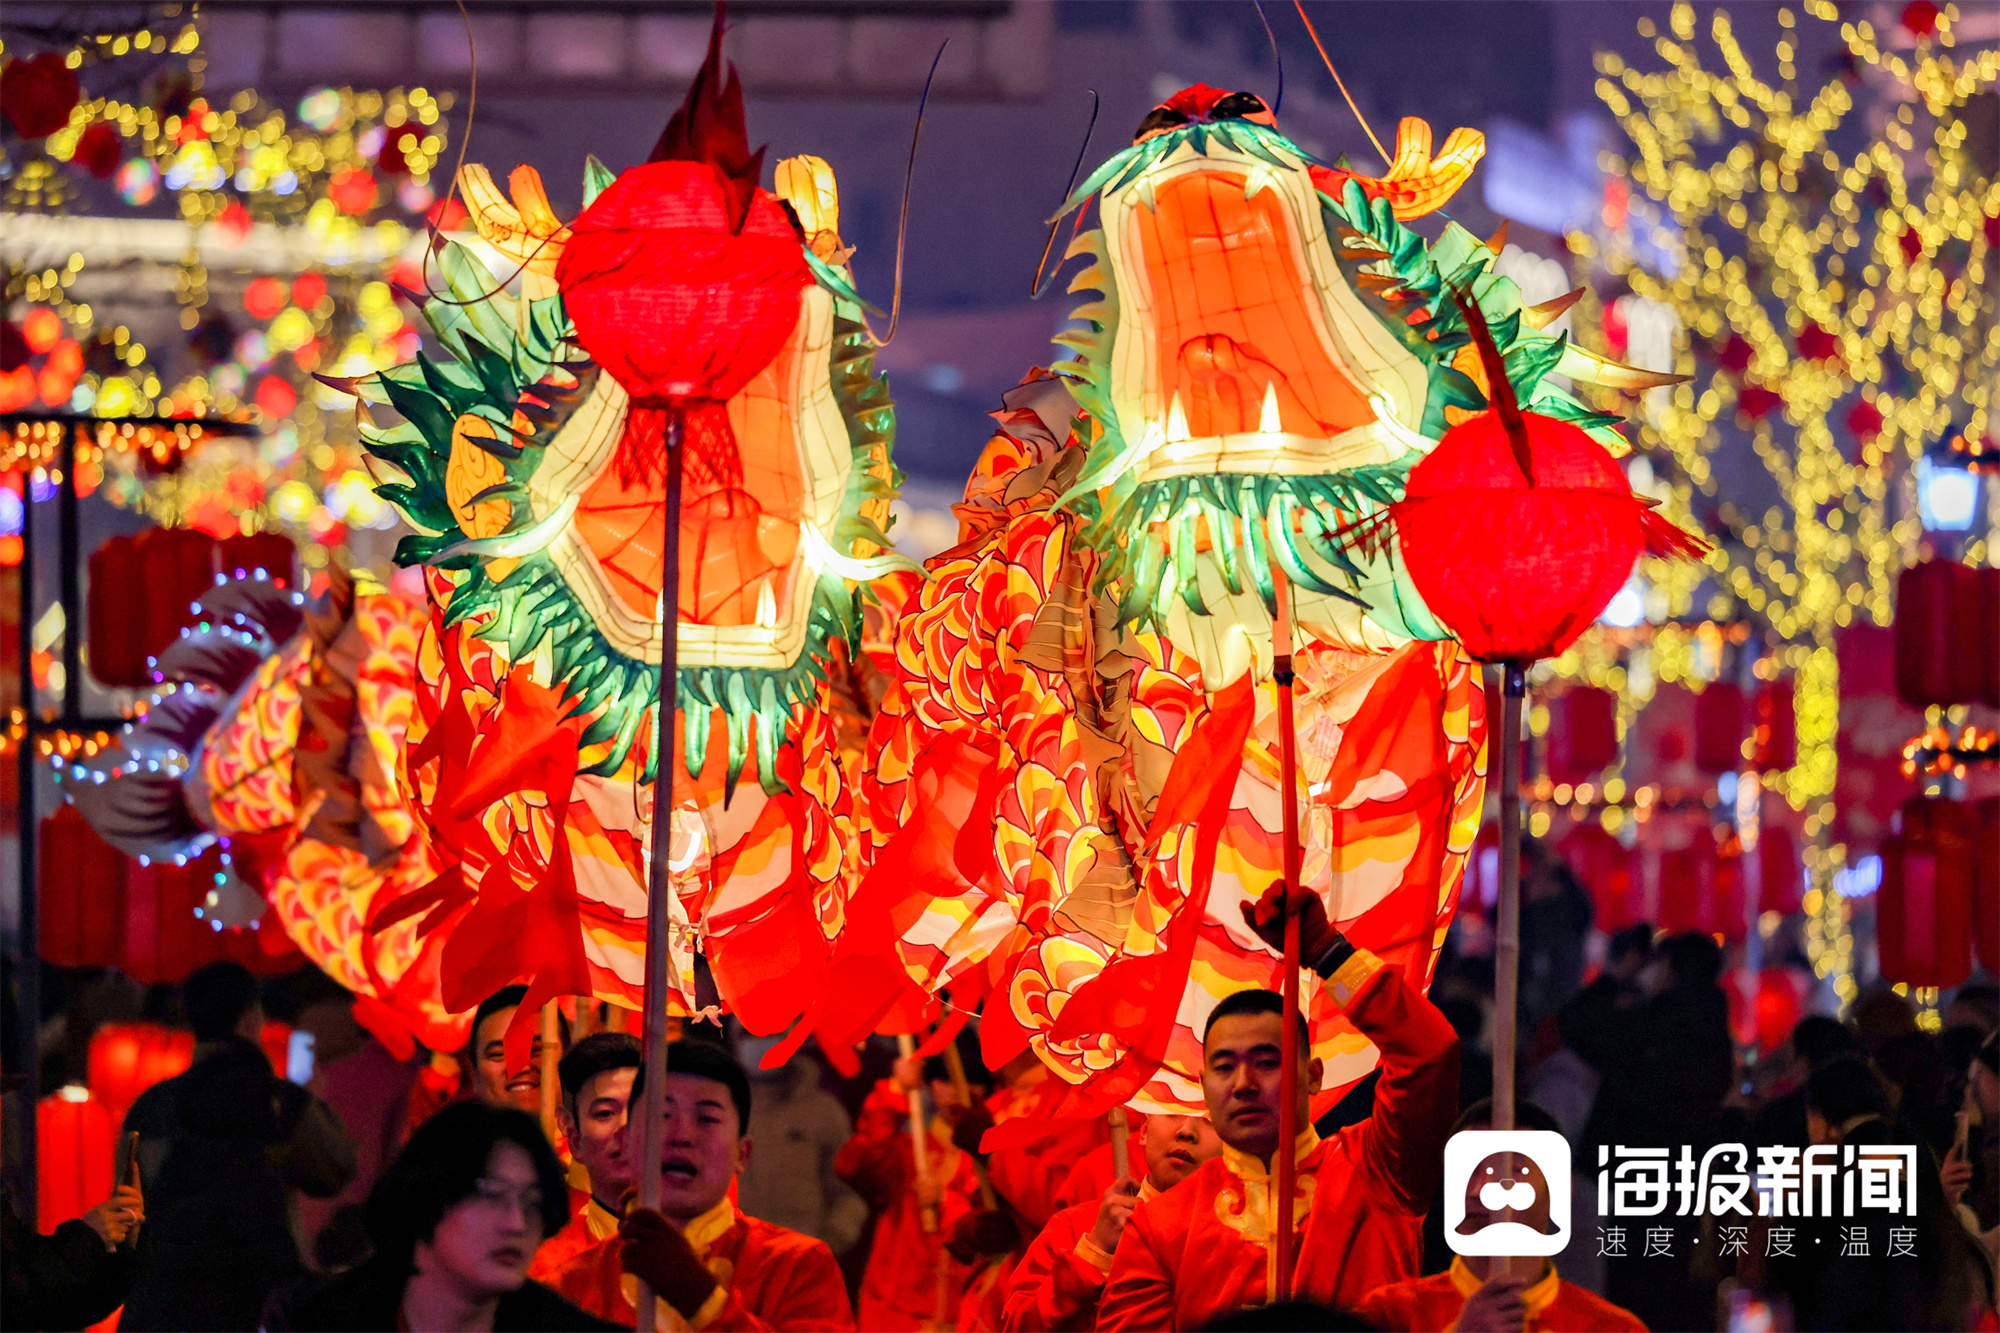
{"type": "Point", "coordinates": [1121, 1153]}
{"type": "Point", "coordinates": [955, 1065]}
{"type": "Point", "coordinates": [551, 1055]}
{"type": "Point", "coordinates": [1507, 936]}
{"type": "Point", "coordinates": [1286, 1166]}
{"type": "Point", "coordinates": [659, 885]}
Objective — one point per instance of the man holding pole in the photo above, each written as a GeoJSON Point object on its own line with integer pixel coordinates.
{"type": "Point", "coordinates": [920, 1188]}
{"type": "Point", "coordinates": [1060, 1279]}
{"type": "Point", "coordinates": [1210, 1246]}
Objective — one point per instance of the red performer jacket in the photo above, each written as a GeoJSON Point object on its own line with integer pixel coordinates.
{"type": "Point", "coordinates": [1207, 1246]}
{"type": "Point", "coordinates": [771, 1279]}
{"type": "Point", "coordinates": [1059, 1280]}
{"type": "Point", "coordinates": [590, 1223]}
{"type": "Point", "coordinates": [1554, 1306]}
{"type": "Point", "coordinates": [1029, 1176]}
{"type": "Point", "coordinates": [908, 1267]}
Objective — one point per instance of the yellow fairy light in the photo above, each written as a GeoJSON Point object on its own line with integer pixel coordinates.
{"type": "Point", "coordinates": [1778, 217]}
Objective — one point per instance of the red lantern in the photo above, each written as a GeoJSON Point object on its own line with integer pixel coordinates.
{"type": "Point", "coordinates": [1986, 880]}
{"type": "Point", "coordinates": [1583, 735]}
{"type": "Point", "coordinates": [1780, 1005]}
{"type": "Point", "coordinates": [75, 1147]}
{"type": "Point", "coordinates": [1718, 728]}
{"type": "Point", "coordinates": [98, 149]}
{"type": "Point", "coordinates": [1948, 634]}
{"type": "Point", "coordinates": [1701, 888]}
{"type": "Point", "coordinates": [1781, 871]}
{"type": "Point", "coordinates": [128, 1058]}
{"type": "Point", "coordinates": [164, 938]}
{"type": "Point", "coordinates": [272, 552]}
{"type": "Point", "coordinates": [1517, 528]}
{"type": "Point", "coordinates": [81, 893]}
{"type": "Point", "coordinates": [141, 588]}
{"type": "Point", "coordinates": [683, 278]}
{"type": "Point", "coordinates": [1606, 867]}
{"type": "Point", "coordinates": [37, 94]}
{"type": "Point", "coordinates": [1775, 730]}
{"type": "Point", "coordinates": [1924, 909]}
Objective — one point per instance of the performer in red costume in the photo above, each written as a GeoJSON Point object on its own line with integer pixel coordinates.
{"type": "Point", "coordinates": [1209, 1247]}
{"type": "Point", "coordinates": [596, 1074]}
{"type": "Point", "coordinates": [1057, 1285]}
{"type": "Point", "coordinates": [909, 1269]}
{"type": "Point", "coordinates": [712, 1266]}
{"type": "Point", "coordinates": [1476, 1295]}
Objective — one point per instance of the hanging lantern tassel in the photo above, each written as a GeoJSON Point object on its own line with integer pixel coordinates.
{"type": "Point", "coordinates": [1288, 1086]}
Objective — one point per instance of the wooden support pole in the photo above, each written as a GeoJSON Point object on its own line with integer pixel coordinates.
{"type": "Point", "coordinates": [659, 879]}
{"type": "Point", "coordinates": [551, 1056]}
{"type": "Point", "coordinates": [1121, 1152]}
{"type": "Point", "coordinates": [1285, 1167]}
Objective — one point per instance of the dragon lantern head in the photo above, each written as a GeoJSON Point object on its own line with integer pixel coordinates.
{"type": "Point", "coordinates": [1269, 351]}
{"type": "Point", "coordinates": [552, 551]}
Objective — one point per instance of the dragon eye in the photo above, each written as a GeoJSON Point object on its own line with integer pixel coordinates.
{"type": "Point", "coordinates": [1159, 120]}
{"type": "Point", "coordinates": [1239, 106]}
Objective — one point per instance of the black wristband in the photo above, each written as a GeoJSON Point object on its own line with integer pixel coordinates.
{"type": "Point", "coordinates": [1331, 957]}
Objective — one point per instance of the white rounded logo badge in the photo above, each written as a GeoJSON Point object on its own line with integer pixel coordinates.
{"type": "Point", "coordinates": [1506, 1192]}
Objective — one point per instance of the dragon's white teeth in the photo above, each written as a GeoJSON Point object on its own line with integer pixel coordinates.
{"type": "Point", "coordinates": [767, 604]}
{"type": "Point", "coordinates": [1268, 420]}
{"type": "Point", "coordinates": [1177, 426]}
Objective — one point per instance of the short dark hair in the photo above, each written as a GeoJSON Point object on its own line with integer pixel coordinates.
{"type": "Point", "coordinates": [507, 997]}
{"type": "Point", "coordinates": [1695, 958]}
{"type": "Point", "coordinates": [1632, 939]}
{"type": "Point", "coordinates": [216, 997]}
{"type": "Point", "coordinates": [1844, 1088]}
{"type": "Point", "coordinates": [1527, 1115]}
{"type": "Point", "coordinates": [704, 1059]}
{"type": "Point", "coordinates": [599, 1053]}
{"type": "Point", "coordinates": [1818, 1039]}
{"type": "Point", "coordinates": [1255, 1001]}
{"type": "Point", "coordinates": [442, 1164]}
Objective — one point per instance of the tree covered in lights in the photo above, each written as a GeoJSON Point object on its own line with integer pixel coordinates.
{"type": "Point", "coordinates": [1837, 292]}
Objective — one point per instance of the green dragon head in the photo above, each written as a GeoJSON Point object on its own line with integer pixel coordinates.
{"type": "Point", "coordinates": [502, 464]}
{"type": "Point", "coordinates": [1270, 349]}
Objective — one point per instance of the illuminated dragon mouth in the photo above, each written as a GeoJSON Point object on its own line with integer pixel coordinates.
{"type": "Point", "coordinates": [746, 575]}
{"type": "Point", "coordinates": [1240, 347]}
{"type": "Point", "coordinates": [739, 544]}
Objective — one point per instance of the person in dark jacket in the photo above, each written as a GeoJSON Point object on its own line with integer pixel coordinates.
{"type": "Point", "coordinates": [77, 1274]}
{"type": "Point", "coordinates": [221, 1148]}
{"type": "Point", "coordinates": [454, 1221]}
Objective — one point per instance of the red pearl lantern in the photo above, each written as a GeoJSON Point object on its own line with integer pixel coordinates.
{"type": "Point", "coordinates": [683, 278]}
{"type": "Point", "coordinates": [1583, 735]}
{"type": "Point", "coordinates": [1924, 909]}
{"type": "Point", "coordinates": [75, 1146]}
{"type": "Point", "coordinates": [127, 1058]}
{"type": "Point", "coordinates": [1515, 570]}
{"type": "Point", "coordinates": [81, 888]}
{"type": "Point", "coordinates": [1986, 876]}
